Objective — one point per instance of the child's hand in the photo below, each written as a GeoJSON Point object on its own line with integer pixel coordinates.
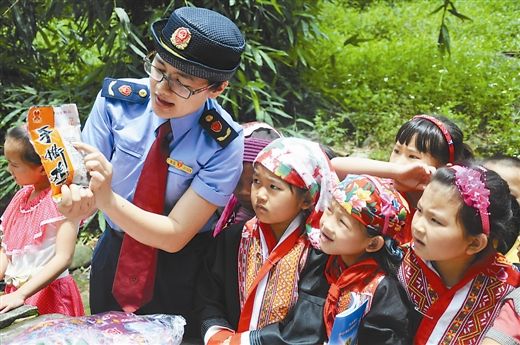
{"type": "Point", "coordinates": [413, 177]}
{"type": "Point", "coordinates": [221, 337]}
{"type": "Point", "coordinates": [100, 170]}
{"type": "Point", "coordinates": [10, 301]}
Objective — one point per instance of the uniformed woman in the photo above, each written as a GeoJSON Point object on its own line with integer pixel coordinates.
{"type": "Point", "coordinates": [160, 197]}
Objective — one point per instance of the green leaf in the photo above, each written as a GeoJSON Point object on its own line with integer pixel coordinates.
{"type": "Point", "coordinates": [280, 112]}
{"type": "Point", "coordinates": [138, 51]}
{"type": "Point", "coordinates": [268, 60]}
{"type": "Point", "coordinates": [257, 57]}
{"type": "Point", "coordinates": [443, 41]}
{"type": "Point", "coordinates": [290, 36]}
{"type": "Point", "coordinates": [101, 221]}
{"type": "Point", "coordinates": [437, 9]}
{"type": "Point", "coordinates": [123, 16]}
{"type": "Point", "coordinates": [305, 122]}
{"type": "Point", "coordinates": [355, 40]}
{"type": "Point", "coordinates": [459, 15]}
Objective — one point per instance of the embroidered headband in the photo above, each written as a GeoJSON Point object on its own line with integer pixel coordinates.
{"type": "Point", "coordinates": [374, 203]}
{"type": "Point", "coordinates": [303, 164]}
{"type": "Point", "coordinates": [444, 131]}
{"type": "Point", "coordinates": [473, 191]}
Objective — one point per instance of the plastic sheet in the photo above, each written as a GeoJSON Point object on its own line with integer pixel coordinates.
{"type": "Point", "coordinates": [105, 328]}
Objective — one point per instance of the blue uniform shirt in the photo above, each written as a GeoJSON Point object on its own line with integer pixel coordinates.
{"type": "Point", "coordinates": [124, 132]}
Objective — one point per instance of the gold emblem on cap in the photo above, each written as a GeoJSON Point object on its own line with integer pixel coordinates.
{"type": "Point", "coordinates": [143, 93]}
{"type": "Point", "coordinates": [181, 37]}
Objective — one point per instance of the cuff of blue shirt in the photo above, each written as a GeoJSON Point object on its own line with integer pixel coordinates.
{"type": "Point", "coordinates": [209, 193]}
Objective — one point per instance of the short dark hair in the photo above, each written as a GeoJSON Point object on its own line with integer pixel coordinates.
{"type": "Point", "coordinates": [503, 208]}
{"type": "Point", "coordinates": [21, 135]}
{"type": "Point", "coordinates": [329, 151]}
{"type": "Point", "coordinates": [503, 160]}
{"type": "Point", "coordinates": [430, 139]}
{"type": "Point", "coordinates": [389, 257]}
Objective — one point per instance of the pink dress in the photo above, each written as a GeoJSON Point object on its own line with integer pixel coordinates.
{"type": "Point", "coordinates": [29, 230]}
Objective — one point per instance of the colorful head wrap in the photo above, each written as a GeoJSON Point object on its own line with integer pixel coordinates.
{"type": "Point", "coordinates": [303, 164]}
{"type": "Point", "coordinates": [474, 191]}
{"type": "Point", "coordinates": [257, 135]}
{"type": "Point", "coordinates": [375, 203]}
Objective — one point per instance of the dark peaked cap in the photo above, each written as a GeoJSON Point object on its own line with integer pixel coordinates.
{"type": "Point", "coordinates": [199, 42]}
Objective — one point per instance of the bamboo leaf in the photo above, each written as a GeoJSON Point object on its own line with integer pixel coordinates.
{"type": "Point", "coordinates": [459, 15]}
{"type": "Point", "coordinates": [305, 122]}
{"type": "Point", "coordinates": [268, 60]}
{"type": "Point", "coordinates": [101, 221]}
{"type": "Point", "coordinates": [443, 41]}
{"type": "Point", "coordinates": [437, 9]}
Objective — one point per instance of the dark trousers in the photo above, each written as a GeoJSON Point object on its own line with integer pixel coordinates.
{"type": "Point", "coordinates": [175, 278]}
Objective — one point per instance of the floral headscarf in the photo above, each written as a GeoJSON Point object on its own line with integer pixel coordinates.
{"type": "Point", "coordinates": [303, 164]}
{"type": "Point", "coordinates": [257, 135]}
{"type": "Point", "coordinates": [375, 203]}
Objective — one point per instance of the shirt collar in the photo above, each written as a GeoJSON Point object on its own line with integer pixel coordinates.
{"type": "Point", "coordinates": [181, 125]}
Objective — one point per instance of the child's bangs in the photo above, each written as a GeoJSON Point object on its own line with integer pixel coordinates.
{"type": "Point", "coordinates": [426, 137]}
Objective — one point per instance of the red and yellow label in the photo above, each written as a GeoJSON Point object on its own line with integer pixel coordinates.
{"type": "Point", "coordinates": [179, 165]}
{"type": "Point", "coordinates": [50, 147]}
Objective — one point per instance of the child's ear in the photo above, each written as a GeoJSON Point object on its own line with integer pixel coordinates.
{"type": "Point", "coordinates": [477, 244]}
{"type": "Point", "coordinates": [375, 244]}
{"type": "Point", "coordinates": [42, 170]}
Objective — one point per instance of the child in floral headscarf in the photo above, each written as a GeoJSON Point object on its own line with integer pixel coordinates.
{"type": "Point", "coordinates": [257, 135]}
{"type": "Point", "coordinates": [261, 278]}
{"type": "Point", "coordinates": [359, 229]}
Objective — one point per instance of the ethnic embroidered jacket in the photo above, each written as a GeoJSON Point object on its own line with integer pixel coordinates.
{"type": "Point", "coordinates": [388, 314]}
{"type": "Point", "coordinates": [463, 313]}
{"type": "Point", "coordinates": [271, 311]}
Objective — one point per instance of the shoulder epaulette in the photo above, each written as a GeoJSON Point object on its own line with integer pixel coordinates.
{"type": "Point", "coordinates": [125, 90]}
{"type": "Point", "coordinates": [217, 127]}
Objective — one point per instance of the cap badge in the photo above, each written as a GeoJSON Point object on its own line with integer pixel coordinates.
{"type": "Point", "coordinates": [181, 37]}
{"type": "Point", "coordinates": [125, 90]}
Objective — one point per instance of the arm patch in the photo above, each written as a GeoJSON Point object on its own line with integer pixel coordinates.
{"type": "Point", "coordinates": [125, 90]}
{"type": "Point", "coordinates": [217, 127]}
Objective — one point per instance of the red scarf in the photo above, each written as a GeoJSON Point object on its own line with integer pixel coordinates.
{"type": "Point", "coordinates": [282, 267]}
{"type": "Point", "coordinates": [362, 277]}
{"type": "Point", "coordinates": [463, 312]}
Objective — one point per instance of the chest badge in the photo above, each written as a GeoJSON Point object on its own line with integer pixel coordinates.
{"type": "Point", "coordinates": [179, 165]}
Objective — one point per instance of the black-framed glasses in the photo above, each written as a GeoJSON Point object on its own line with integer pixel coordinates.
{"type": "Point", "coordinates": [174, 85]}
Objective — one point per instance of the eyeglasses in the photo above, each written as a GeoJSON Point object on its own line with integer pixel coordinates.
{"type": "Point", "coordinates": [174, 85]}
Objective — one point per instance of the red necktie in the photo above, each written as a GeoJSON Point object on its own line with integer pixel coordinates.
{"type": "Point", "coordinates": [135, 274]}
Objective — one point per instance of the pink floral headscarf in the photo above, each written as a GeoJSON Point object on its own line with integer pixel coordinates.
{"type": "Point", "coordinates": [303, 164]}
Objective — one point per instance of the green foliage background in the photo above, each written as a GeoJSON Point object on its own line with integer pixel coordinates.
{"type": "Point", "coordinates": [345, 72]}
{"type": "Point", "coordinates": [379, 66]}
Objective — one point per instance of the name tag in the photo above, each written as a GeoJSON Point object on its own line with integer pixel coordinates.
{"type": "Point", "coordinates": [179, 165]}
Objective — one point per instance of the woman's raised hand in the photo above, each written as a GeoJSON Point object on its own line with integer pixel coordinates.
{"type": "Point", "coordinates": [79, 202]}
